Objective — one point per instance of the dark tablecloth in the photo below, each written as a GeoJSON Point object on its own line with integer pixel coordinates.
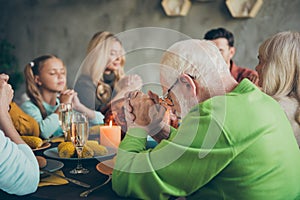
{"type": "Point", "coordinates": [71, 191]}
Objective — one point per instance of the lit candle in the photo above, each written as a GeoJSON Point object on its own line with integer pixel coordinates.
{"type": "Point", "coordinates": [110, 136]}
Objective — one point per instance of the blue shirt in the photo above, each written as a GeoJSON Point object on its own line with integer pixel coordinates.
{"type": "Point", "coordinates": [19, 169]}
{"type": "Point", "coordinates": [50, 125]}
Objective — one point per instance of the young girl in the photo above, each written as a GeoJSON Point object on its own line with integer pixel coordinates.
{"type": "Point", "coordinates": [46, 88]}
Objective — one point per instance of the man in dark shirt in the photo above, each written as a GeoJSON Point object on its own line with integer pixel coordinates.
{"type": "Point", "coordinates": [224, 40]}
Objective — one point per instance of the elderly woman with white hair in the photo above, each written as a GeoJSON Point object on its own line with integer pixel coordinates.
{"type": "Point", "coordinates": [230, 144]}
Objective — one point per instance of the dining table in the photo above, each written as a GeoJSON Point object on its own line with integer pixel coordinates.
{"type": "Point", "coordinates": [70, 190]}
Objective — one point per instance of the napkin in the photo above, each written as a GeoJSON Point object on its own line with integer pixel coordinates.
{"type": "Point", "coordinates": [53, 180]}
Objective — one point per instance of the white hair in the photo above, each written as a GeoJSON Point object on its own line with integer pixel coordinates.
{"type": "Point", "coordinates": [198, 58]}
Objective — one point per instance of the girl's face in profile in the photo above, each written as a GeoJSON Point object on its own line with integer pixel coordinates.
{"type": "Point", "coordinates": [52, 76]}
{"type": "Point", "coordinates": [115, 57]}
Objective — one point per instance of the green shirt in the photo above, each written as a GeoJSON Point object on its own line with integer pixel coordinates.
{"type": "Point", "coordinates": [237, 146]}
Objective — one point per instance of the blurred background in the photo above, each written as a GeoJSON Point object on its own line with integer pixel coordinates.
{"type": "Point", "coordinates": [30, 28]}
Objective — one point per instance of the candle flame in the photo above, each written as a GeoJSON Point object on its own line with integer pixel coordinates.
{"type": "Point", "coordinates": [110, 123]}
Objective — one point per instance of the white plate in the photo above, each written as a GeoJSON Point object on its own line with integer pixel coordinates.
{"type": "Point", "coordinates": [52, 165]}
{"type": "Point", "coordinates": [53, 153]}
{"type": "Point", "coordinates": [106, 167]}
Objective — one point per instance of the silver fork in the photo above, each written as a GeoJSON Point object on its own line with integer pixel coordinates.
{"type": "Point", "coordinates": [87, 192]}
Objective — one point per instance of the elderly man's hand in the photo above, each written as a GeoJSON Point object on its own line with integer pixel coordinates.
{"type": "Point", "coordinates": [144, 111]}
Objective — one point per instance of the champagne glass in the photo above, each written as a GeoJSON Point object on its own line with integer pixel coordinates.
{"type": "Point", "coordinates": [65, 110]}
{"type": "Point", "coordinates": [79, 134]}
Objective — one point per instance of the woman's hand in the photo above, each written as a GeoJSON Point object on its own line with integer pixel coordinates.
{"type": "Point", "coordinates": [76, 104]}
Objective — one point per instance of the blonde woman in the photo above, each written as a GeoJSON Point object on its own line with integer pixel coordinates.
{"type": "Point", "coordinates": [99, 74]}
{"type": "Point", "coordinates": [279, 73]}
{"type": "Point", "coordinates": [46, 88]}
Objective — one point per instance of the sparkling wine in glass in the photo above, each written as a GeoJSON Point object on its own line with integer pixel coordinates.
{"type": "Point", "coordinates": [65, 111]}
{"type": "Point", "coordinates": [79, 134]}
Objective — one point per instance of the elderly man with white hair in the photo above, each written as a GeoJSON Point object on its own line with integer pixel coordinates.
{"type": "Point", "coordinates": [234, 141]}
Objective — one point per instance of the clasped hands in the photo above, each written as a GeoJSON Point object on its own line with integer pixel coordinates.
{"type": "Point", "coordinates": [70, 96]}
{"type": "Point", "coordinates": [145, 111]}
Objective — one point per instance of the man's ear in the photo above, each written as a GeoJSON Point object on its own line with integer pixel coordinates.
{"type": "Point", "coordinates": [231, 52]}
{"type": "Point", "coordinates": [188, 84]}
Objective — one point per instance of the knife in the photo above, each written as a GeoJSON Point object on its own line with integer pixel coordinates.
{"type": "Point", "coordinates": [68, 179]}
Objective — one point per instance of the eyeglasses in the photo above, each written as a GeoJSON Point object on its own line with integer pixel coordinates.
{"type": "Point", "coordinates": [166, 97]}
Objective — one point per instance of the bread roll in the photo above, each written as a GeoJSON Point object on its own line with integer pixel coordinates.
{"type": "Point", "coordinates": [42, 161]}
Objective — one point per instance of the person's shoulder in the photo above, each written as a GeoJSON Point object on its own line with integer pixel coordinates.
{"type": "Point", "coordinates": [4, 141]}
{"type": "Point", "coordinates": [245, 70]}
{"type": "Point", "coordinates": [245, 86]}
{"type": "Point", "coordinates": [83, 82]}
{"type": "Point", "coordinates": [239, 73]}
{"type": "Point", "coordinates": [289, 104]}
{"type": "Point", "coordinates": [28, 105]}
{"type": "Point", "coordinates": [1, 135]}
{"type": "Point", "coordinates": [249, 71]}
{"type": "Point", "coordinates": [84, 79]}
